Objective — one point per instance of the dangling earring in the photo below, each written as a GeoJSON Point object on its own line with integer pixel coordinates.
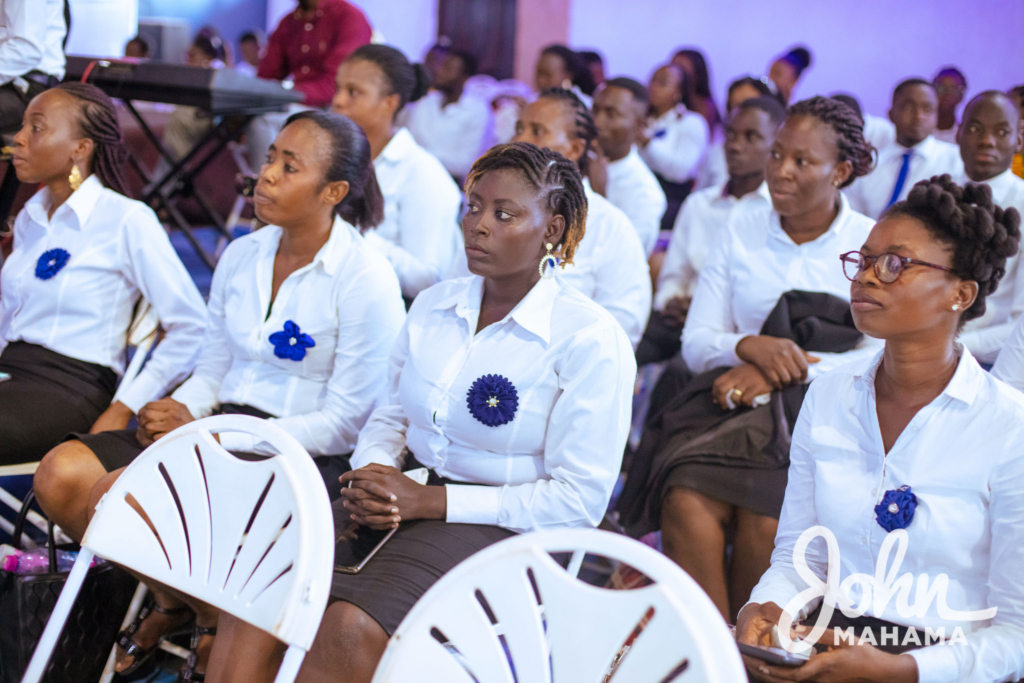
{"type": "Point", "coordinates": [75, 179]}
{"type": "Point", "coordinates": [548, 263]}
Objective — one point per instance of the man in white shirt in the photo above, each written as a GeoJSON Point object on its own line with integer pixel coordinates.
{"type": "Point", "coordinates": [990, 135]}
{"type": "Point", "coordinates": [749, 134]}
{"type": "Point", "coordinates": [450, 124]}
{"type": "Point", "coordinates": [915, 156]}
{"type": "Point", "coordinates": [620, 108]}
{"type": "Point", "coordinates": [31, 55]}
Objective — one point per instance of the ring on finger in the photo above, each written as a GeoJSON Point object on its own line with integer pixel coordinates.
{"type": "Point", "coordinates": [734, 390]}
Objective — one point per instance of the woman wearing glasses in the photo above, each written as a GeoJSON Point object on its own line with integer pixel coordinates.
{"type": "Point", "coordinates": [918, 439]}
{"type": "Point", "coordinates": [709, 461]}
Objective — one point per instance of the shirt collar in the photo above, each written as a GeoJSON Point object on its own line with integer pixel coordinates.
{"type": "Point", "coordinates": [761, 191]}
{"type": "Point", "coordinates": [533, 313]}
{"type": "Point", "coordinates": [1001, 185]}
{"type": "Point", "coordinates": [331, 255]}
{"type": "Point", "coordinates": [924, 149]}
{"type": "Point", "coordinates": [398, 147]}
{"type": "Point", "coordinates": [623, 165]}
{"type": "Point", "coordinates": [964, 386]}
{"type": "Point", "coordinates": [81, 203]}
{"type": "Point", "coordinates": [841, 219]}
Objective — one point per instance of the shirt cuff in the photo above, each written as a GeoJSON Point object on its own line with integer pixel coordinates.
{"type": "Point", "coordinates": [140, 391]}
{"type": "Point", "coordinates": [729, 344]}
{"type": "Point", "coordinates": [238, 442]}
{"type": "Point", "coordinates": [936, 664]}
{"type": "Point", "coordinates": [473, 504]}
{"type": "Point", "coordinates": [667, 291]}
{"type": "Point", "coordinates": [377, 456]}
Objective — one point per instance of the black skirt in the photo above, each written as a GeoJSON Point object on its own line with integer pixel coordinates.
{"type": "Point", "coordinates": [48, 396]}
{"type": "Point", "coordinates": [412, 561]}
{"type": "Point", "coordinates": [117, 449]}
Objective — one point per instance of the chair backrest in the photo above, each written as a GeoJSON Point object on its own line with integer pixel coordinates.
{"type": "Point", "coordinates": [512, 614]}
{"type": "Point", "coordinates": [254, 539]}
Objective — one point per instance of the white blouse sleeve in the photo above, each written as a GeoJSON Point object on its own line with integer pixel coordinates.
{"type": "Point", "coordinates": [623, 284]}
{"type": "Point", "coordinates": [985, 343]}
{"type": "Point", "coordinates": [710, 337]}
{"type": "Point", "coordinates": [583, 446]}
{"type": "Point", "coordinates": [1009, 365]}
{"type": "Point", "coordinates": [677, 273]}
{"type": "Point", "coordinates": [22, 50]}
{"type": "Point", "coordinates": [677, 154]}
{"type": "Point", "coordinates": [155, 269]}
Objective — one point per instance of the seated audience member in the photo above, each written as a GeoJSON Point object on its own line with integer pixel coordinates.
{"type": "Point", "coordinates": [878, 131]}
{"type": "Point", "coordinates": [699, 86]}
{"type": "Point", "coordinates": [618, 172]}
{"type": "Point", "coordinates": [84, 256]}
{"type": "Point", "coordinates": [433, 60]}
{"type": "Point", "coordinates": [303, 315]}
{"type": "Point", "coordinates": [609, 264]}
{"type": "Point", "coordinates": [137, 48]}
{"type": "Point", "coordinates": [537, 445]}
{"type": "Point", "coordinates": [916, 155]}
{"type": "Point", "coordinates": [950, 86]}
{"type": "Point", "coordinates": [676, 139]}
{"type": "Point", "coordinates": [919, 441]}
{"type": "Point", "coordinates": [31, 56]}
{"type": "Point", "coordinates": [595, 63]}
{"type": "Point", "coordinates": [785, 72]}
{"type": "Point", "coordinates": [251, 48]}
{"type": "Point", "coordinates": [1016, 95]}
{"type": "Point", "coordinates": [713, 171]}
{"type": "Point", "coordinates": [749, 134]}
{"type": "Point", "coordinates": [450, 124]}
{"type": "Point", "coordinates": [770, 314]}
{"type": "Point", "coordinates": [989, 136]}
{"type": "Point", "coordinates": [419, 234]}
{"type": "Point", "coordinates": [307, 46]}
{"type": "Point", "coordinates": [560, 67]}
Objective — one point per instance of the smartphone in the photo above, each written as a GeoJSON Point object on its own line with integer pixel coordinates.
{"type": "Point", "coordinates": [4, 377]}
{"type": "Point", "coordinates": [355, 545]}
{"type": "Point", "coordinates": [774, 655]}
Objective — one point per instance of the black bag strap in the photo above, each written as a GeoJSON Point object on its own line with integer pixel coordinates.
{"type": "Point", "coordinates": [19, 527]}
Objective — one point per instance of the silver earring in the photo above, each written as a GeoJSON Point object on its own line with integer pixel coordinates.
{"type": "Point", "coordinates": [956, 307]}
{"type": "Point", "coordinates": [548, 263]}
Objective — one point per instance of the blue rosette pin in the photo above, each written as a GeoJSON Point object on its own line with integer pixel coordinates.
{"type": "Point", "coordinates": [291, 342]}
{"type": "Point", "coordinates": [493, 400]}
{"type": "Point", "coordinates": [51, 262]}
{"type": "Point", "coordinates": [896, 511]}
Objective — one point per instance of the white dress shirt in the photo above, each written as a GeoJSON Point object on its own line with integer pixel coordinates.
{"type": "Point", "coordinates": [699, 225]}
{"type": "Point", "coordinates": [870, 194]}
{"type": "Point", "coordinates": [555, 463]}
{"type": "Point", "coordinates": [1009, 365]}
{"type": "Point", "coordinates": [31, 38]}
{"type": "Point", "coordinates": [420, 232]}
{"type": "Point", "coordinates": [714, 171]}
{"type": "Point", "coordinates": [879, 131]}
{"type": "Point", "coordinates": [986, 335]}
{"type": "Point", "coordinates": [119, 253]}
{"type": "Point", "coordinates": [962, 457]}
{"type": "Point", "coordinates": [678, 142]}
{"type": "Point", "coordinates": [633, 188]}
{"type": "Point", "coordinates": [457, 134]}
{"type": "Point", "coordinates": [347, 299]}
{"type": "Point", "coordinates": [750, 268]}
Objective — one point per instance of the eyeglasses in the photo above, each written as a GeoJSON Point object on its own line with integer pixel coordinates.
{"type": "Point", "coordinates": [888, 267]}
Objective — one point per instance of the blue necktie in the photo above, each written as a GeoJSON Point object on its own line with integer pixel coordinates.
{"type": "Point", "coordinates": [901, 180]}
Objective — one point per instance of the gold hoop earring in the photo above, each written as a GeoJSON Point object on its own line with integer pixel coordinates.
{"type": "Point", "coordinates": [75, 179]}
{"type": "Point", "coordinates": [548, 263]}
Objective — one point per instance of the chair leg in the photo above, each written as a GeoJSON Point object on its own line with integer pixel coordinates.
{"type": "Point", "coordinates": [133, 611]}
{"type": "Point", "coordinates": [48, 641]}
{"type": "Point", "coordinates": [291, 665]}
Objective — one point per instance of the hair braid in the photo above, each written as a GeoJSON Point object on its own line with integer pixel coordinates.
{"type": "Point", "coordinates": [557, 179]}
{"type": "Point", "coordinates": [981, 234]}
{"type": "Point", "coordinates": [97, 120]}
{"type": "Point", "coordinates": [849, 131]}
{"type": "Point", "coordinates": [586, 129]}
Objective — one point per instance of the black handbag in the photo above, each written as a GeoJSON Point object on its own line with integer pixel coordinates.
{"type": "Point", "coordinates": [26, 602]}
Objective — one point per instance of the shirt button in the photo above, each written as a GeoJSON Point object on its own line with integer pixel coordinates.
{"type": "Point", "coordinates": [305, 69]}
{"type": "Point", "coordinates": [305, 48]}
{"type": "Point", "coordinates": [309, 27]}
{"type": "Point", "coordinates": [864, 540]}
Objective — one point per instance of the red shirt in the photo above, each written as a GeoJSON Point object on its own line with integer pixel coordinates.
{"type": "Point", "coordinates": [310, 46]}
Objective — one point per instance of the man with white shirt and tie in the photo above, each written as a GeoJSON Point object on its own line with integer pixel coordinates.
{"type": "Point", "coordinates": [620, 110]}
{"type": "Point", "coordinates": [31, 55]}
{"type": "Point", "coordinates": [990, 135]}
{"type": "Point", "coordinates": [915, 156]}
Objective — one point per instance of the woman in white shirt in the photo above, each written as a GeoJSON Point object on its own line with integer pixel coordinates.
{"type": "Point", "coordinates": [419, 234]}
{"type": "Point", "coordinates": [763, 254]}
{"type": "Point", "coordinates": [916, 451]}
{"type": "Point", "coordinates": [303, 315]}
{"type": "Point", "coordinates": [84, 257]}
{"type": "Point", "coordinates": [513, 388]}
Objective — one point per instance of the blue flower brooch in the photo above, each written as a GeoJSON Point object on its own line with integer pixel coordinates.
{"type": "Point", "coordinates": [896, 510]}
{"type": "Point", "coordinates": [493, 400]}
{"type": "Point", "coordinates": [51, 262]}
{"type": "Point", "coordinates": [291, 342]}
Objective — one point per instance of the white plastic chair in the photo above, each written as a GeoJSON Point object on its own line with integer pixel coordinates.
{"type": "Point", "coordinates": [254, 539]}
{"type": "Point", "coordinates": [511, 613]}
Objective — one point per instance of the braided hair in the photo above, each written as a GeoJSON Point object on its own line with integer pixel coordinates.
{"type": "Point", "coordinates": [981, 234]}
{"type": "Point", "coordinates": [97, 121]}
{"type": "Point", "coordinates": [586, 129]}
{"type": "Point", "coordinates": [349, 160]}
{"type": "Point", "coordinates": [849, 130]}
{"type": "Point", "coordinates": [554, 176]}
